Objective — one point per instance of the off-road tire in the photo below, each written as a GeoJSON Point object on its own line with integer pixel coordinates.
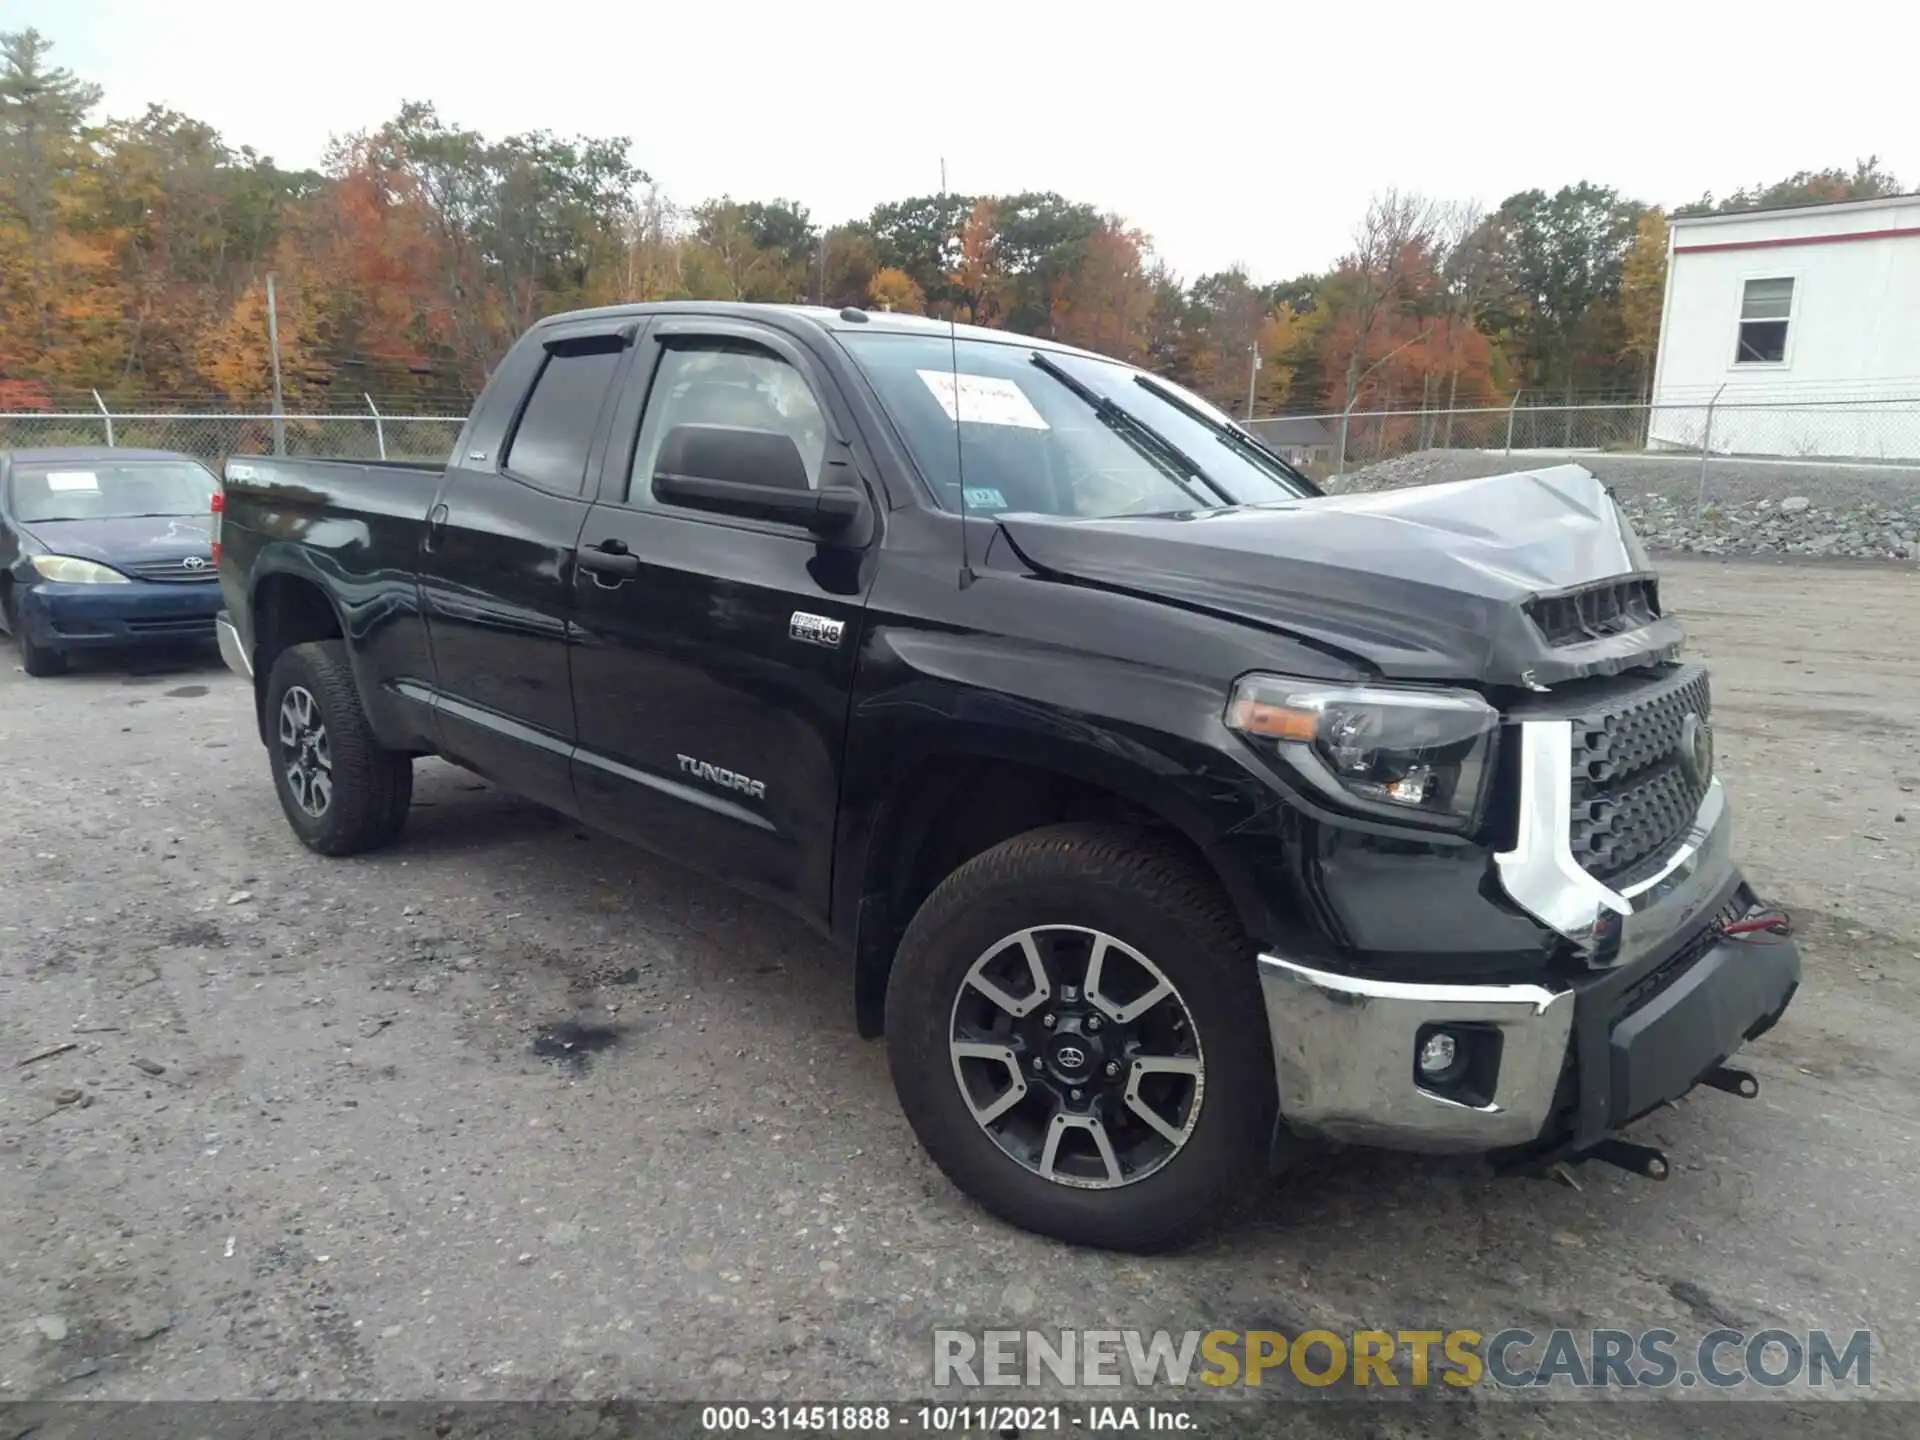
{"type": "Point", "coordinates": [1146, 892]}
{"type": "Point", "coordinates": [372, 787]}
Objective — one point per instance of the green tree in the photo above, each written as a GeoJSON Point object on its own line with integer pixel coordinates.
{"type": "Point", "coordinates": [726, 260]}
{"type": "Point", "coordinates": [921, 238]}
{"type": "Point", "coordinates": [1557, 261]}
{"type": "Point", "coordinates": [1867, 180]}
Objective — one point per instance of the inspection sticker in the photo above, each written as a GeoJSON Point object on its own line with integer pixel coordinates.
{"type": "Point", "coordinates": [984, 400]}
{"type": "Point", "coordinates": [72, 480]}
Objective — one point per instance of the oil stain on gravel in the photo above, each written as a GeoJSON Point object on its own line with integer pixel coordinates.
{"type": "Point", "coordinates": [573, 1045]}
{"type": "Point", "coordinates": [186, 692]}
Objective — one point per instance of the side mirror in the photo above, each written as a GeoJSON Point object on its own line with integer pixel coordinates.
{"type": "Point", "coordinates": [758, 474]}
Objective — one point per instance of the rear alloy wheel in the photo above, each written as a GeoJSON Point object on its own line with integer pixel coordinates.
{"type": "Point", "coordinates": [305, 756]}
{"type": "Point", "coordinates": [1075, 1029]}
{"type": "Point", "coordinates": [341, 790]}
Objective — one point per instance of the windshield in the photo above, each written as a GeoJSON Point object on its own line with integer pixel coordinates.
{"type": "Point", "coordinates": [1055, 433]}
{"type": "Point", "coordinates": [110, 489]}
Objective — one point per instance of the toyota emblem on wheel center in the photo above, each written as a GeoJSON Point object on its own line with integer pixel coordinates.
{"type": "Point", "coordinates": [1696, 749]}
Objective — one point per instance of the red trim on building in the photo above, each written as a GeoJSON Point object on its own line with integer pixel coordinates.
{"type": "Point", "coordinates": [1786, 240]}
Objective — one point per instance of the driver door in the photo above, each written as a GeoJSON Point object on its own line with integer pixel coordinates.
{"type": "Point", "coordinates": [716, 653]}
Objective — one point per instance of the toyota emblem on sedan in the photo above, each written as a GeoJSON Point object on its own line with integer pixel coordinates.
{"type": "Point", "coordinates": [193, 562]}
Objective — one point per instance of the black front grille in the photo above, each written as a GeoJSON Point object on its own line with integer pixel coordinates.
{"type": "Point", "coordinates": [176, 571]}
{"type": "Point", "coordinates": [1592, 612]}
{"type": "Point", "coordinates": [1634, 794]}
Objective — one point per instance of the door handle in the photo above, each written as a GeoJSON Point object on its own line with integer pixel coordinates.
{"type": "Point", "coordinates": [436, 525]}
{"type": "Point", "coordinates": [603, 561]}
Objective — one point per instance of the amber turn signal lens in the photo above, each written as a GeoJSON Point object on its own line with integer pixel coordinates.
{"type": "Point", "coordinates": [1276, 722]}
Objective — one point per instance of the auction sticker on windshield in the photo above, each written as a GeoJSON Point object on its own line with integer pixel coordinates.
{"type": "Point", "coordinates": [72, 480]}
{"type": "Point", "coordinates": [983, 399]}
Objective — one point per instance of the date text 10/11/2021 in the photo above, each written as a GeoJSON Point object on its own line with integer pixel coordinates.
{"type": "Point", "coordinates": [945, 1419]}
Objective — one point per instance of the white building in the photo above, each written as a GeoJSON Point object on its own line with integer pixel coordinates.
{"type": "Point", "coordinates": [1804, 323]}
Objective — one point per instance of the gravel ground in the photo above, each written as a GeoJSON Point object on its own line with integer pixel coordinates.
{"type": "Point", "coordinates": [1751, 507]}
{"type": "Point", "coordinates": [511, 1111]}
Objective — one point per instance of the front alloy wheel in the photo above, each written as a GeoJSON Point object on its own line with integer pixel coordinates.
{"type": "Point", "coordinates": [1077, 1056]}
{"type": "Point", "coordinates": [305, 753]}
{"type": "Point", "coordinates": [1075, 1029]}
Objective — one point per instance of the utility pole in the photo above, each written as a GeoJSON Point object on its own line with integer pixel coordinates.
{"type": "Point", "coordinates": [273, 343]}
{"type": "Point", "coordinates": [1253, 370]}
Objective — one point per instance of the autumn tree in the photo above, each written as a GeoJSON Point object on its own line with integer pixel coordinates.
{"type": "Point", "coordinates": [848, 262]}
{"type": "Point", "coordinates": [893, 289]}
{"type": "Point", "coordinates": [55, 252]}
{"type": "Point", "coordinates": [979, 280]}
{"type": "Point", "coordinates": [1643, 295]}
{"type": "Point", "coordinates": [1104, 300]}
{"type": "Point", "coordinates": [1376, 287]}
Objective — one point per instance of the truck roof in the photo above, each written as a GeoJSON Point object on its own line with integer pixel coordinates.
{"type": "Point", "coordinates": [821, 317]}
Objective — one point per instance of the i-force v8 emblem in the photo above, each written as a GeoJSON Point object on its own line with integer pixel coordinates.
{"type": "Point", "coordinates": [816, 629]}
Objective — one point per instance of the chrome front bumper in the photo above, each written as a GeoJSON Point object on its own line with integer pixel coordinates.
{"type": "Point", "coordinates": [231, 650]}
{"type": "Point", "coordinates": [1343, 1049]}
{"type": "Point", "coordinates": [1344, 1046]}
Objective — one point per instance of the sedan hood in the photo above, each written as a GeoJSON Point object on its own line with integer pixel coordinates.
{"type": "Point", "coordinates": [1431, 583]}
{"type": "Point", "coordinates": [137, 540]}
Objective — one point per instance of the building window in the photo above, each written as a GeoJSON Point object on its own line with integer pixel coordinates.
{"type": "Point", "coordinates": [1765, 307]}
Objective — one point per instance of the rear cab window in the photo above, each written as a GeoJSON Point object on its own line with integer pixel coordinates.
{"type": "Point", "coordinates": [550, 444]}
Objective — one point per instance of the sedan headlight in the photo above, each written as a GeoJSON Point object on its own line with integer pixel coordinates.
{"type": "Point", "coordinates": [72, 570]}
{"type": "Point", "coordinates": [1414, 753]}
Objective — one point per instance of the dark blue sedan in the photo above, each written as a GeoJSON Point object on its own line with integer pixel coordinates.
{"type": "Point", "coordinates": [102, 547]}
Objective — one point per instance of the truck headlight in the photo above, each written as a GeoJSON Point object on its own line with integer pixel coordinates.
{"type": "Point", "coordinates": [72, 570]}
{"type": "Point", "coordinates": [1414, 753]}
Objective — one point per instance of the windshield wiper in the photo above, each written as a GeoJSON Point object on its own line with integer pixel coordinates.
{"type": "Point", "coordinates": [1136, 432]}
{"type": "Point", "coordinates": [1240, 440]}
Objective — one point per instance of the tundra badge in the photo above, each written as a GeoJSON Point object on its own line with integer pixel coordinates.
{"type": "Point", "coordinates": [816, 629]}
{"type": "Point", "coordinates": [725, 779]}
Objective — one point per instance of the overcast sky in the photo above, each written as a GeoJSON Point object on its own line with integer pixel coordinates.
{"type": "Point", "coordinates": [1248, 134]}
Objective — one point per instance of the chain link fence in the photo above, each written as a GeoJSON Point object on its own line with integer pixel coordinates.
{"type": "Point", "coordinates": [1882, 431]}
{"type": "Point", "coordinates": [425, 438]}
{"type": "Point", "coordinates": [1878, 431]}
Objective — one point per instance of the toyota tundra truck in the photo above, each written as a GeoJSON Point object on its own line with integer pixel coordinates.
{"type": "Point", "coordinates": [1176, 817]}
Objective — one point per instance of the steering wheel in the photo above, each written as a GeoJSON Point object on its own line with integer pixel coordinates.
{"type": "Point", "coordinates": [1109, 491]}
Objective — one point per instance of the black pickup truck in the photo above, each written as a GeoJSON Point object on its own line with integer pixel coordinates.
{"type": "Point", "coordinates": [1175, 816]}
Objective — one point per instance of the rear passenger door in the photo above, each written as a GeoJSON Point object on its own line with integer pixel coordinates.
{"type": "Point", "coordinates": [497, 562]}
{"type": "Point", "coordinates": [712, 679]}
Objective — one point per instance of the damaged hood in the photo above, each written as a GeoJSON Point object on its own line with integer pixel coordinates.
{"type": "Point", "coordinates": [1430, 583]}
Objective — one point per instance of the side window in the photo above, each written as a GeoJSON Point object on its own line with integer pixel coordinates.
{"type": "Point", "coordinates": [726, 382]}
{"type": "Point", "coordinates": [1766, 307]}
{"type": "Point", "coordinates": [549, 446]}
